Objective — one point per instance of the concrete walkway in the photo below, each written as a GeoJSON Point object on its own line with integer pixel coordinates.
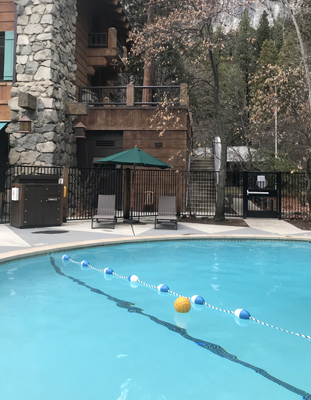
{"type": "Point", "coordinates": [14, 241]}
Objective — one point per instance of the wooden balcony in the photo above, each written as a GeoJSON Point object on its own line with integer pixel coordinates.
{"type": "Point", "coordinates": [104, 50]}
{"type": "Point", "coordinates": [132, 96]}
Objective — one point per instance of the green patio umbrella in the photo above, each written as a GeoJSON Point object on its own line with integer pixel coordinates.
{"type": "Point", "coordinates": [135, 157]}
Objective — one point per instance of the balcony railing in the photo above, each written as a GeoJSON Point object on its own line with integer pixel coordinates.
{"type": "Point", "coordinates": [98, 39]}
{"type": "Point", "coordinates": [120, 49]}
{"type": "Point", "coordinates": [103, 95]}
{"type": "Point", "coordinates": [106, 40]}
{"type": "Point", "coordinates": [130, 95]}
{"type": "Point", "coordinates": [156, 95]}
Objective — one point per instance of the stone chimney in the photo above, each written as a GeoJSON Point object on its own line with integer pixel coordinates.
{"type": "Point", "coordinates": [45, 71]}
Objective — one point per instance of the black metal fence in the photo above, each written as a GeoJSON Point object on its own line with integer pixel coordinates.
{"type": "Point", "coordinates": [195, 191]}
{"type": "Point", "coordinates": [103, 95]}
{"type": "Point", "coordinates": [166, 96]}
{"type": "Point", "coordinates": [84, 186]}
{"type": "Point", "coordinates": [147, 185]}
{"type": "Point", "coordinates": [294, 196]}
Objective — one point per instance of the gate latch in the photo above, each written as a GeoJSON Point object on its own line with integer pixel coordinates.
{"type": "Point", "coordinates": [248, 192]}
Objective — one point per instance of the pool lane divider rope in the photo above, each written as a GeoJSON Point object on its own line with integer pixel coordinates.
{"type": "Point", "coordinates": [196, 299]}
{"type": "Point", "coordinates": [212, 347]}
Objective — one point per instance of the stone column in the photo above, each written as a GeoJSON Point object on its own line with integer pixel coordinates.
{"type": "Point", "coordinates": [45, 68]}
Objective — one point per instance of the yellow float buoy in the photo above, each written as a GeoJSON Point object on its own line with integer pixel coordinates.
{"type": "Point", "coordinates": [182, 305]}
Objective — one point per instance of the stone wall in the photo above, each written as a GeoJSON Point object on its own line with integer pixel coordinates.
{"type": "Point", "coordinates": [45, 68]}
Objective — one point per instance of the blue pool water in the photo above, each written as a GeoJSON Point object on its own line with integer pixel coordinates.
{"type": "Point", "coordinates": [69, 333]}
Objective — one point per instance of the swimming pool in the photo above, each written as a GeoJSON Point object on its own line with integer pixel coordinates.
{"type": "Point", "coordinates": [69, 332]}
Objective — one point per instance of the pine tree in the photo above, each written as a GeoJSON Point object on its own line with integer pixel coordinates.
{"type": "Point", "coordinates": [277, 34]}
{"type": "Point", "coordinates": [245, 53]}
{"type": "Point", "coordinates": [245, 49]}
{"type": "Point", "coordinates": [263, 31]}
{"type": "Point", "coordinates": [268, 54]}
{"type": "Point", "coordinates": [289, 54]}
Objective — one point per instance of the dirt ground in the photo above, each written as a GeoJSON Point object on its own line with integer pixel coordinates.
{"type": "Point", "coordinates": [299, 223]}
{"type": "Point", "coordinates": [303, 224]}
{"type": "Point", "coordinates": [206, 220]}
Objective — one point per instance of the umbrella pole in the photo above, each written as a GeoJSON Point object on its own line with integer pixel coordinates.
{"type": "Point", "coordinates": [131, 220]}
{"type": "Point", "coordinates": [132, 193]}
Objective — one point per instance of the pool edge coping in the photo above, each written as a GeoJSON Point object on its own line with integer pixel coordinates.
{"type": "Point", "coordinates": [31, 252]}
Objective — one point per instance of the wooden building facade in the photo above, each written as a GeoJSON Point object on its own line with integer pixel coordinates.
{"type": "Point", "coordinates": [123, 128]}
{"type": "Point", "coordinates": [7, 18]}
{"type": "Point", "coordinates": [112, 112]}
{"type": "Point", "coordinates": [101, 33]}
{"type": "Point", "coordinates": [115, 120]}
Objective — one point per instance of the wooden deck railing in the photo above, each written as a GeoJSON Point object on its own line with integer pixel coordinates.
{"type": "Point", "coordinates": [131, 95]}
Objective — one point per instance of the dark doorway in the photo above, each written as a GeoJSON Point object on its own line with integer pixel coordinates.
{"type": "Point", "coordinates": [96, 145]}
{"type": "Point", "coordinates": [4, 145]}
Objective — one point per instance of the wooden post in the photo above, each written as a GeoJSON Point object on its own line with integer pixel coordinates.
{"type": "Point", "coordinates": [65, 187]}
{"type": "Point", "coordinates": [112, 40]}
{"type": "Point", "coordinates": [124, 52]}
{"type": "Point", "coordinates": [130, 95]}
{"type": "Point", "coordinates": [184, 98]}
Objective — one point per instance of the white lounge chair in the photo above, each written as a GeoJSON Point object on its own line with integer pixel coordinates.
{"type": "Point", "coordinates": [166, 211]}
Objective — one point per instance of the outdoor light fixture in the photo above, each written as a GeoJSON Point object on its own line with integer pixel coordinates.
{"type": "Point", "coordinates": [158, 144]}
{"type": "Point", "coordinates": [79, 130]}
{"type": "Point", "coordinates": [25, 124]}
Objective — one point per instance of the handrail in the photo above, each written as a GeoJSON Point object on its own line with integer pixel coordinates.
{"type": "Point", "coordinates": [125, 95]}
{"type": "Point", "coordinates": [157, 87]}
{"type": "Point", "coordinates": [120, 49]}
{"type": "Point", "coordinates": [152, 103]}
{"type": "Point", "coordinates": [124, 87]}
{"type": "Point", "coordinates": [103, 87]}
{"type": "Point", "coordinates": [101, 39]}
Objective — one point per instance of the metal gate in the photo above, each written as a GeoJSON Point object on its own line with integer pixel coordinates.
{"type": "Point", "coordinates": [261, 195]}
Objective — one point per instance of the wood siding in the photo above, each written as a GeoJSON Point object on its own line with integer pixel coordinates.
{"type": "Point", "coordinates": [108, 15]}
{"type": "Point", "coordinates": [84, 23]}
{"type": "Point", "coordinates": [132, 118]}
{"type": "Point", "coordinates": [137, 130]}
{"type": "Point", "coordinates": [7, 15]}
{"type": "Point", "coordinates": [174, 145]}
{"type": "Point", "coordinates": [7, 18]}
{"type": "Point", "coordinates": [5, 95]}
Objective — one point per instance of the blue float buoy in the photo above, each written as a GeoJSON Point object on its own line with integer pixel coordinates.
{"type": "Point", "coordinates": [197, 299]}
{"type": "Point", "coordinates": [163, 288]}
{"type": "Point", "coordinates": [66, 257]}
{"type": "Point", "coordinates": [84, 263]}
{"type": "Point", "coordinates": [243, 314]}
{"type": "Point", "coordinates": [133, 278]}
{"type": "Point", "coordinates": [108, 271]}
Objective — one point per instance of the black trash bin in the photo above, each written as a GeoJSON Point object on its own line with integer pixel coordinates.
{"type": "Point", "coordinates": [36, 200]}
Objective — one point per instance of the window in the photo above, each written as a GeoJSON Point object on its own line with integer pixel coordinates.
{"type": "Point", "coordinates": [6, 55]}
{"type": "Point", "coordinates": [1, 55]}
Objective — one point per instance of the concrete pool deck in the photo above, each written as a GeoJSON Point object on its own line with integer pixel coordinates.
{"type": "Point", "coordinates": [16, 243]}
